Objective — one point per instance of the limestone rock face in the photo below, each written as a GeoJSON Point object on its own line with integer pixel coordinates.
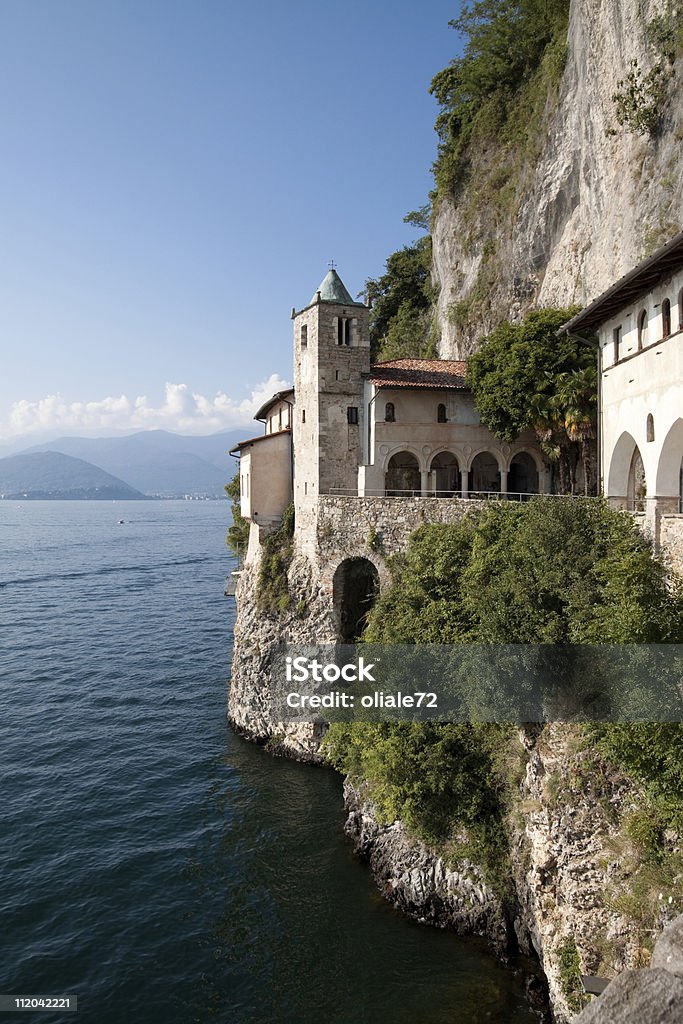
{"type": "Point", "coordinates": [668, 951]}
{"type": "Point", "coordinates": [654, 996]}
{"type": "Point", "coordinates": [591, 206]}
{"type": "Point", "coordinates": [257, 637]}
{"type": "Point", "coordinates": [418, 882]}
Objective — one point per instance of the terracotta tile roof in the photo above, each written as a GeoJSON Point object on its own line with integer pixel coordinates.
{"type": "Point", "coordinates": [420, 373]}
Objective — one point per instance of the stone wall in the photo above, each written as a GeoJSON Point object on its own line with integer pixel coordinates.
{"type": "Point", "coordinates": [375, 528]}
{"type": "Point", "coordinates": [671, 542]}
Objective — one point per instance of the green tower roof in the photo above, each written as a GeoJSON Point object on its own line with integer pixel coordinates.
{"type": "Point", "coordinates": [332, 289]}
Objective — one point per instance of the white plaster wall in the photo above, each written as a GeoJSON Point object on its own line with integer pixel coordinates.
{"type": "Point", "coordinates": [642, 383]}
{"type": "Point", "coordinates": [265, 472]}
{"type": "Point", "coordinates": [279, 417]}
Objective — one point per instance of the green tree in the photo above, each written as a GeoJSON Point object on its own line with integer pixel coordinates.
{"type": "Point", "coordinates": [549, 571]}
{"type": "Point", "coordinates": [505, 42]}
{"type": "Point", "coordinates": [238, 533]}
{"type": "Point", "coordinates": [401, 299]}
{"type": "Point", "coordinates": [525, 375]}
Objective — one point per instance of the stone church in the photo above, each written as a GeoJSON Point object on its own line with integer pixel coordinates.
{"type": "Point", "coordinates": [407, 428]}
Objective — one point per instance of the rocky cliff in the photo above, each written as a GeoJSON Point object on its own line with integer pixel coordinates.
{"type": "Point", "coordinates": [577, 905]}
{"type": "Point", "coordinates": [557, 220]}
{"type": "Point", "coordinates": [578, 896]}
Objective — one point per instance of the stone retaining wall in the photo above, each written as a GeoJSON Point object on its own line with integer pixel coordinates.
{"type": "Point", "coordinates": [671, 542]}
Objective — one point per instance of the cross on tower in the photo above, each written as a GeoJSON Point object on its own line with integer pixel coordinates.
{"type": "Point", "coordinates": [332, 264]}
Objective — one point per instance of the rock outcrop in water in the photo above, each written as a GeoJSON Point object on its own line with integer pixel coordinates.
{"type": "Point", "coordinates": [567, 880]}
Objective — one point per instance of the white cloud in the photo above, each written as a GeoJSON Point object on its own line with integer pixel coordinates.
{"type": "Point", "coordinates": [182, 411]}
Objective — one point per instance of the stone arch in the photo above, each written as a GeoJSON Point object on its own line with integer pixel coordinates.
{"type": "Point", "coordinates": [533, 453]}
{"type": "Point", "coordinates": [523, 475]}
{"type": "Point", "coordinates": [620, 465]}
{"type": "Point", "coordinates": [445, 476]}
{"type": "Point", "coordinates": [485, 469]}
{"type": "Point", "coordinates": [402, 474]}
{"type": "Point", "coordinates": [355, 587]}
{"type": "Point", "coordinates": [668, 481]}
{"type": "Point", "coordinates": [636, 488]}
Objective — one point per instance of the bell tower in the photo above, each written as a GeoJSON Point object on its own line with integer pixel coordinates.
{"type": "Point", "coordinates": [331, 355]}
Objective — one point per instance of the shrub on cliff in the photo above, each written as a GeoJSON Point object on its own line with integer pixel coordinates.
{"type": "Point", "coordinates": [238, 533]}
{"type": "Point", "coordinates": [557, 571]}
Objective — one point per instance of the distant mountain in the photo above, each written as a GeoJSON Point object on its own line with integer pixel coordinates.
{"type": "Point", "coordinates": [54, 475]}
{"type": "Point", "coordinates": [158, 462]}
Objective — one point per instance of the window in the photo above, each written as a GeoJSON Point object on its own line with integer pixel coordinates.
{"type": "Point", "coordinates": [650, 434]}
{"type": "Point", "coordinates": [303, 415]}
{"type": "Point", "coordinates": [343, 331]}
{"type": "Point", "coordinates": [304, 335]}
{"type": "Point", "coordinates": [441, 413]}
{"type": "Point", "coordinates": [279, 419]}
{"type": "Point", "coordinates": [666, 318]}
{"type": "Point", "coordinates": [352, 414]}
{"type": "Point", "coordinates": [389, 413]}
{"type": "Point", "coordinates": [642, 329]}
{"type": "Point", "coordinates": [616, 338]}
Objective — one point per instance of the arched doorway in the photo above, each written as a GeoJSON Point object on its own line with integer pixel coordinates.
{"type": "Point", "coordinates": [618, 465]}
{"type": "Point", "coordinates": [523, 475]}
{"type": "Point", "coordinates": [668, 481]}
{"type": "Point", "coordinates": [403, 475]}
{"type": "Point", "coordinates": [354, 591]}
{"type": "Point", "coordinates": [445, 475]}
{"type": "Point", "coordinates": [485, 473]}
{"type": "Point", "coordinates": [637, 487]}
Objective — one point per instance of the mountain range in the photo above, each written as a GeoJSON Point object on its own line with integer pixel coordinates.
{"type": "Point", "coordinates": [53, 475]}
{"type": "Point", "coordinates": [157, 463]}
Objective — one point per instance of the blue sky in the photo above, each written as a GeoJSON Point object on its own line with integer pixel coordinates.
{"type": "Point", "coordinates": [176, 175]}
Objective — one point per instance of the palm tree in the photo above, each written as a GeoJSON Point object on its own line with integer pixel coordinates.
{"type": "Point", "coordinates": [575, 407]}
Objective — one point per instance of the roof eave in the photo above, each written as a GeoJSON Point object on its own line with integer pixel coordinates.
{"type": "Point", "coordinates": [629, 288]}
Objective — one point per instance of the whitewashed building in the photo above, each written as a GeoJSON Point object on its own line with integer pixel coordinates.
{"type": "Point", "coordinates": [639, 327]}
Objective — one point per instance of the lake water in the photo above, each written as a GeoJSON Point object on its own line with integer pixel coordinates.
{"type": "Point", "coordinates": [152, 863]}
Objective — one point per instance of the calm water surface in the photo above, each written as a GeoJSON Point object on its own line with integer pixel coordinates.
{"type": "Point", "coordinates": [152, 863]}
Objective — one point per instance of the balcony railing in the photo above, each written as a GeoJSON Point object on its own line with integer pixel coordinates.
{"type": "Point", "coordinates": [471, 495]}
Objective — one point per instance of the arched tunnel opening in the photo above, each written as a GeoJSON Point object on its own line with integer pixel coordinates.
{"type": "Point", "coordinates": [355, 590]}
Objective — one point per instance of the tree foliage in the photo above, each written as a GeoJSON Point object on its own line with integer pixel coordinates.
{"type": "Point", "coordinates": [547, 571]}
{"type": "Point", "coordinates": [238, 533]}
{"type": "Point", "coordinates": [401, 302]}
{"type": "Point", "coordinates": [558, 571]}
{"type": "Point", "coordinates": [505, 42]}
{"type": "Point", "coordinates": [525, 375]}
